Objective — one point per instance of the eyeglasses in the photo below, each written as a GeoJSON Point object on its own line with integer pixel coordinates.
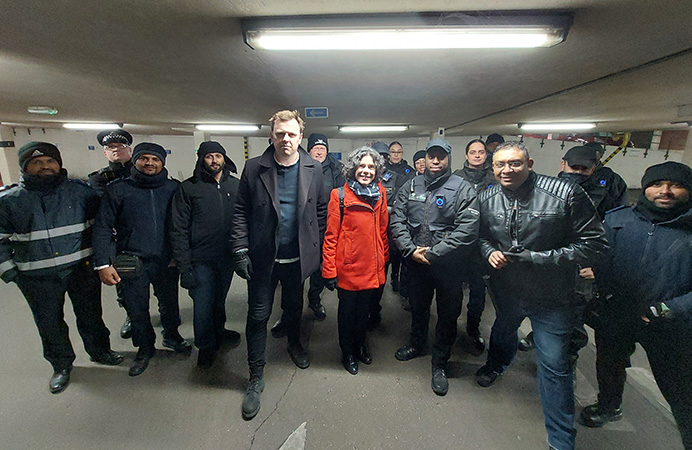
{"type": "Point", "coordinates": [112, 147]}
{"type": "Point", "coordinates": [514, 164]}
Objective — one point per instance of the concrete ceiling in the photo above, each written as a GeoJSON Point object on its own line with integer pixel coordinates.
{"type": "Point", "coordinates": [159, 65]}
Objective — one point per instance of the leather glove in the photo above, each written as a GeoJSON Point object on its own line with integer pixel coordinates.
{"type": "Point", "coordinates": [188, 280]}
{"type": "Point", "coordinates": [330, 283]}
{"type": "Point", "coordinates": [522, 256]}
{"type": "Point", "coordinates": [242, 264]}
{"type": "Point", "coordinates": [659, 310]}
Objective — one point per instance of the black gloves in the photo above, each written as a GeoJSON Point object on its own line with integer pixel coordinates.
{"type": "Point", "coordinates": [330, 283]}
{"type": "Point", "coordinates": [188, 280]}
{"type": "Point", "coordinates": [659, 310]}
{"type": "Point", "coordinates": [242, 264]}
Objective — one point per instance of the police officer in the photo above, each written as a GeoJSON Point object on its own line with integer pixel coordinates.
{"type": "Point", "coordinates": [118, 151]}
{"type": "Point", "coordinates": [435, 225]}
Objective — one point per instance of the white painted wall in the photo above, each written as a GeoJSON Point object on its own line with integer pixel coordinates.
{"type": "Point", "coordinates": [80, 160]}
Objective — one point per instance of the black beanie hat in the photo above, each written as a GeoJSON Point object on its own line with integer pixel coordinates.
{"type": "Point", "coordinates": [149, 148]}
{"type": "Point", "coordinates": [317, 139]}
{"type": "Point", "coordinates": [495, 138]}
{"type": "Point", "coordinates": [418, 155]}
{"type": "Point", "coordinates": [670, 171]}
{"type": "Point", "coordinates": [207, 147]}
{"type": "Point", "coordinates": [35, 149]}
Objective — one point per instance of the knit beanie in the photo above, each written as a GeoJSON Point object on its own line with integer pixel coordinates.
{"type": "Point", "coordinates": [418, 155]}
{"type": "Point", "coordinates": [317, 139]}
{"type": "Point", "coordinates": [671, 171]}
{"type": "Point", "coordinates": [35, 149]}
{"type": "Point", "coordinates": [494, 138]}
{"type": "Point", "coordinates": [207, 147]}
{"type": "Point", "coordinates": [149, 148]}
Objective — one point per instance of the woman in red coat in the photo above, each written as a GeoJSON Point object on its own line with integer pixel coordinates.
{"type": "Point", "coordinates": [355, 250]}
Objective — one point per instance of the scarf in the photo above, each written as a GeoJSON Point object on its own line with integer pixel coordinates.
{"type": "Point", "coordinates": [648, 209]}
{"type": "Point", "coordinates": [148, 181]}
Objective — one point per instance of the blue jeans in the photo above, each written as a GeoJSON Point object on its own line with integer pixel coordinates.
{"type": "Point", "coordinates": [209, 300]}
{"type": "Point", "coordinates": [552, 328]}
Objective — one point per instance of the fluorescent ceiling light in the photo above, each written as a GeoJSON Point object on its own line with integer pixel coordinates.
{"type": "Point", "coordinates": [407, 31]}
{"type": "Point", "coordinates": [228, 127]}
{"type": "Point", "coordinates": [91, 126]}
{"type": "Point", "coordinates": [556, 126]}
{"type": "Point", "coordinates": [49, 110]}
{"type": "Point", "coordinates": [372, 128]}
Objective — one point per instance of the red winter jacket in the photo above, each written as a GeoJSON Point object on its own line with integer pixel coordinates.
{"type": "Point", "coordinates": [356, 248]}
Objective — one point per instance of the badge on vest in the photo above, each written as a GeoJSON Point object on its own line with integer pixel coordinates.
{"type": "Point", "coordinates": [602, 182]}
{"type": "Point", "coordinates": [440, 200]}
{"type": "Point", "coordinates": [387, 176]}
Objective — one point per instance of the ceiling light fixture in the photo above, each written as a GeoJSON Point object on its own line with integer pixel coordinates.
{"type": "Point", "coordinates": [47, 110]}
{"type": "Point", "coordinates": [91, 126]}
{"type": "Point", "coordinates": [220, 127]}
{"type": "Point", "coordinates": [429, 30]}
{"type": "Point", "coordinates": [555, 126]}
{"type": "Point", "coordinates": [372, 128]}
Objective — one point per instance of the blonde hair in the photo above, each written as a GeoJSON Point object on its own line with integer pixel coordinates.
{"type": "Point", "coordinates": [286, 115]}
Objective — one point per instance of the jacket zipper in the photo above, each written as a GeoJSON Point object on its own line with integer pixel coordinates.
{"type": "Point", "coordinates": [513, 227]}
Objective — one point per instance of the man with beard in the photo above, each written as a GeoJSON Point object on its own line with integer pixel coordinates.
{"type": "Point", "coordinates": [278, 228]}
{"type": "Point", "coordinates": [118, 151]}
{"type": "Point", "coordinates": [535, 232]}
{"type": "Point", "coordinates": [202, 214]}
{"type": "Point", "coordinates": [45, 247]}
{"type": "Point", "coordinates": [647, 279]}
{"type": "Point", "coordinates": [138, 208]}
{"type": "Point", "coordinates": [435, 225]}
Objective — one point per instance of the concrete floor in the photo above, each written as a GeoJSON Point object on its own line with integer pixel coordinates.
{"type": "Point", "coordinates": [388, 405]}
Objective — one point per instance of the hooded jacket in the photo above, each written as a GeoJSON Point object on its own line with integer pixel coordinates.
{"type": "Point", "coordinates": [481, 179]}
{"type": "Point", "coordinates": [356, 246]}
{"type": "Point", "coordinates": [201, 217]}
{"type": "Point", "coordinates": [556, 222]}
{"type": "Point", "coordinates": [45, 231]}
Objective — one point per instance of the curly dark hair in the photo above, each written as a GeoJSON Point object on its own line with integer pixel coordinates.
{"type": "Point", "coordinates": [353, 161]}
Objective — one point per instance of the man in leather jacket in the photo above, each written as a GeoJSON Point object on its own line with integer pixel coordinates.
{"type": "Point", "coordinates": [535, 232]}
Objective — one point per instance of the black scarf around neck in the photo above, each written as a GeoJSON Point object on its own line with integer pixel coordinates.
{"type": "Point", "coordinates": [148, 181]}
{"type": "Point", "coordinates": [655, 214]}
{"type": "Point", "coordinates": [44, 183]}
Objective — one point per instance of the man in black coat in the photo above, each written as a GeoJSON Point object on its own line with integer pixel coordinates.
{"type": "Point", "coordinates": [202, 214]}
{"type": "Point", "coordinates": [138, 208]}
{"type": "Point", "coordinates": [45, 248]}
{"type": "Point", "coordinates": [647, 283]}
{"type": "Point", "coordinates": [118, 151]}
{"type": "Point", "coordinates": [278, 227]}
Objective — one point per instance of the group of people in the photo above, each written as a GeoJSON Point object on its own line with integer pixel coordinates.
{"type": "Point", "coordinates": [562, 251]}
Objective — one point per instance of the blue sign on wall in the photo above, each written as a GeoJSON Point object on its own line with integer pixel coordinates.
{"type": "Point", "coordinates": [91, 147]}
{"type": "Point", "coordinates": [321, 112]}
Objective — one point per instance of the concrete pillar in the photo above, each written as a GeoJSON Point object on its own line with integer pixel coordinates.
{"type": "Point", "coordinates": [687, 152]}
{"type": "Point", "coordinates": [9, 167]}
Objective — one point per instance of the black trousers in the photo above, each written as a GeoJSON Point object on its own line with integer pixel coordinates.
{"type": "Point", "coordinates": [260, 301]}
{"type": "Point", "coordinates": [136, 294]}
{"type": "Point", "coordinates": [668, 345]}
{"type": "Point", "coordinates": [444, 283]}
{"type": "Point", "coordinates": [476, 304]}
{"type": "Point", "coordinates": [353, 318]}
{"type": "Point", "coordinates": [46, 298]}
{"type": "Point", "coordinates": [316, 287]}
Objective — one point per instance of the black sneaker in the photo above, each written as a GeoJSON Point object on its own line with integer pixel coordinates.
{"type": "Point", "coordinates": [594, 416]}
{"type": "Point", "coordinates": [299, 356]}
{"type": "Point", "coordinates": [251, 401]}
{"type": "Point", "coordinates": [486, 377]}
{"type": "Point", "coordinates": [439, 382]}
{"type": "Point", "coordinates": [205, 357]}
{"type": "Point", "coordinates": [176, 343]}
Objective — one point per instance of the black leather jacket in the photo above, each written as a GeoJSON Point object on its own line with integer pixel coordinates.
{"type": "Point", "coordinates": [556, 222]}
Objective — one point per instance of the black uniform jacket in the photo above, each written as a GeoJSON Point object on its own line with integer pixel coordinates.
{"type": "Point", "coordinates": [257, 210]}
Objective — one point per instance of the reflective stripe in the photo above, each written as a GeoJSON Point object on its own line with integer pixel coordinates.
{"type": "Point", "coordinates": [5, 235]}
{"type": "Point", "coordinates": [54, 262]}
{"type": "Point", "coordinates": [7, 265]}
{"type": "Point", "coordinates": [37, 235]}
